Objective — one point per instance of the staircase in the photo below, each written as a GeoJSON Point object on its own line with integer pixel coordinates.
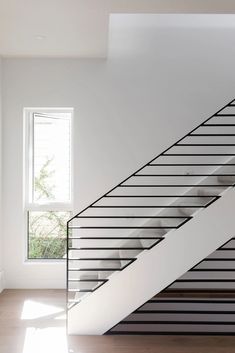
{"type": "Point", "coordinates": [146, 232]}
{"type": "Point", "coordinates": [202, 302]}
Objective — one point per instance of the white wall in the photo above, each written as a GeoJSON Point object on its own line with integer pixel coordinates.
{"type": "Point", "coordinates": [1, 239]}
{"type": "Point", "coordinates": [158, 83]}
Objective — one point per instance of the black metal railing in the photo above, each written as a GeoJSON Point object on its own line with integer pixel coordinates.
{"type": "Point", "coordinates": [160, 197]}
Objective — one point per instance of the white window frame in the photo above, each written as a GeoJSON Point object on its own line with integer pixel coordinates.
{"type": "Point", "coordinates": [28, 204]}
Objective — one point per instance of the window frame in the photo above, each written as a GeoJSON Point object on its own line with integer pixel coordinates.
{"type": "Point", "coordinates": [28, 204]}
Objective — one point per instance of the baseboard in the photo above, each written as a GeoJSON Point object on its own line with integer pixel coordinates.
{"type": "Point", "coordinates": [2, 284]}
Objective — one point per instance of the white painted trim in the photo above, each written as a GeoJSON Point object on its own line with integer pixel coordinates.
{"type": "Point", "coordinates": [28, 157]}
{"type": "Point", "coordinates": [28, 204]}
{"type": "Point", "coordinates": [155, 269]}
{"type": "Point", "coordinates": [2, 281]}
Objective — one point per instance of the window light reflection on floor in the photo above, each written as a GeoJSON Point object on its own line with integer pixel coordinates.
{"type": "Point", "coordinates": [34, 310]}
{"type": "Point", "coordinates": [46, 340]}
{"type": "Point", "coordinates": [45, 328]}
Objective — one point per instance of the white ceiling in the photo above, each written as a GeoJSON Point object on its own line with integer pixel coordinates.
{"type": "Point", "coordinates": [78, 28]}
{"type": "Point", "coordinates": [70, 28]}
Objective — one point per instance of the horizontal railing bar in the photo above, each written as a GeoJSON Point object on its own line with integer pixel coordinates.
{"type": "Point", "coordinates": [205, 280]}
{"type": "Point", "coordinates": [186, 219]}
{"type": "Point", "coordinates": [163, 196]}
{"type": "Point", "coordinates": [111, 248]}
{"type": "Point", "coordinates": [172, 322]}
{"type": "Point", "coordinates": [172, 311]}
{"type": "Point", "coordinates": [220, 259]}
{"type": "Point", "coordinates": [215, 125]}
{"type": "Point", "coordinates": [206, 144]}
{"type": "Point", "coordinates": [226, 243]}
{"type": "Point", "coordinates": [192, 301]}
{"type": "Point", "coordinates": [164, 217]}
{"type": "Point", "coordinates": [101, 258]}
{"type": "Point", "coordinates": [198, 154]}
{"type": "Point", "coordinates": [119, 227]}
{"type": "Point", "coordinates": [108, 238]}
{"type": "Point", "coordinates": [184, 222]}
{"type": "Point", "coordinates": [225, 115]}
{"type": "Point", "coordinates": [163, 206]}
{"type": "Point", "coordinates": [191, 164]}
{"type": "Point", "coordinates": [80, 290]}
{"type": "Point", "coordinates": [95, 269]}
{"type": "Point", "coordinates": [212, 270]}
{"type": "Point", "coordinates": [176, 185]}
{"type": "Point", "coordinates": [93, 289]}
{"type": "Point", "coordinates": [223, 135]}
{"type": "Point", "coordinates": [200, 290]}
{"type": "Point", "coordinates": [74, 301]}
{"type": "Point", "coordinates": [172, 333]}
{"type": "Point", "coordinates": [225, 249]}
{"type": "Point", "coordinates": [182, 175]}
{"type": "Point", "coordinates": [88, 280]}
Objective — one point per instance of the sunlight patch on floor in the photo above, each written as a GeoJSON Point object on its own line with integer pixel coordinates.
{"type": "Point", "coordinates": [34, 310]}
{"type": "Point", "coordinates": [46, 340]}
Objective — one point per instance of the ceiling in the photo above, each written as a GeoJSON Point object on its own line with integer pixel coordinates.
{"type": "Point", "coordinates": [78, 28]}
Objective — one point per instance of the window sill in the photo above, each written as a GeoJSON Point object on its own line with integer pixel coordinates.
{"type": "Point", "coordinates": [44, 261]}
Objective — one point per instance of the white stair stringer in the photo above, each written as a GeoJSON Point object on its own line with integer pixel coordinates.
{"type": "Point", "coordinates": [155, 269]}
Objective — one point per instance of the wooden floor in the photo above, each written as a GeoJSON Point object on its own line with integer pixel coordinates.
{"type": "Point", "coordinates": [33, 321]}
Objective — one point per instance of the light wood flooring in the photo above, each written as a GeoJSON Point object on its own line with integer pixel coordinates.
{"type": "Point", "coordinates": [33, 321]}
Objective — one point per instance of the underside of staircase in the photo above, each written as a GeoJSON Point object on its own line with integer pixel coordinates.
{"type": "Point", "coordinates": [143, 236]}
{"type": "Point", "coordinates": [200, 302]}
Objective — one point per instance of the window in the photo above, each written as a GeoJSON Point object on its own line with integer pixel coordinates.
{"type": "Point", "coordinates": [48, 181]}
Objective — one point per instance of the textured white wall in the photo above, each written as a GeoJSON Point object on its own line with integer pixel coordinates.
{"type": "Point", "coordinates": [158, 83]}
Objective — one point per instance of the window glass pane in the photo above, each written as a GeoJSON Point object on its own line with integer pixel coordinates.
{"type": "Point", "coordinates": [47, 234]}
{"type": "Point", "coordinates": [51, 157]}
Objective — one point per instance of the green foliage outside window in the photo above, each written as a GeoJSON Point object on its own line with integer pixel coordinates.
{"type": "Point", "coordinates": [46, 230]}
